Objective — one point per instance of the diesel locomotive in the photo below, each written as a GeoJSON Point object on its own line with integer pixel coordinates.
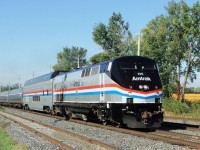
{"type": "Point", "coordinates": [123, 91]}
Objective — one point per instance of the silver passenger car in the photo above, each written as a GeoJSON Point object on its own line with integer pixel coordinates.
{"type": "Point", "coordinates": [4, 98]}
{"type": "Point", "coordinates": [37, 93]}
{"type": "Point", "coordinates": [12, 98]}
{"type": "Point", "coordinates": [15, 98]}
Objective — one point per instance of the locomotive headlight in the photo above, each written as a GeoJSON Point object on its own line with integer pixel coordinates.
{"type": "Point", "coordinates": [146, 87]}
{"type": "Point", "coordinates": [140, 87]}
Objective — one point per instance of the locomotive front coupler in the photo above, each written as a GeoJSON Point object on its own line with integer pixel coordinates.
{"type": "Point", "coordinates": [146, 117]}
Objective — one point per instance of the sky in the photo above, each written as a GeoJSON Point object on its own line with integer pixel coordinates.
{"type": "Point", "coordinates": [33, 32]}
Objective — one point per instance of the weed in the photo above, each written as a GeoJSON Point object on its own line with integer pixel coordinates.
{"type": "Point", "coordinates": [6, 142]}
{"type": "Point", "coordinates": [172, 106]}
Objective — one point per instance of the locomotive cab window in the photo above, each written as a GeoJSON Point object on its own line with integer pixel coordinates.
{"type": "Point", "coordinates": [83, 73]}
{"type": "Point", "coordinates": [94, 70]}
{"type": "Point", "coordinates": [87, 73]}
{"type": "Point", "coordinates": [104, 68]}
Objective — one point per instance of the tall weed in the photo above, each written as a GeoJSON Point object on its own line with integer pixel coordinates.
{"type": "Point", "coordinates": [177, 107]}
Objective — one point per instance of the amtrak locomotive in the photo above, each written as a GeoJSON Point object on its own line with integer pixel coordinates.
{"type": "Point", "coordinates": [124, 91]}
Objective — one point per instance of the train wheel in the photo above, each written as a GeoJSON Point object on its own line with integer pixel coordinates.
{"type": "Point", "coordinates": [118, 125]}
{"type": "Point", "coordinates": [68, 116]}
{"type": "Point", "coordinates": [26, 107]}
{"type": "Point", "coordinates": [105, 123]}
{"type": "Point", "coordinates": [53, 113]}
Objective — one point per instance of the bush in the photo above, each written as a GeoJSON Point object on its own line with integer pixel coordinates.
{"type": "Point", "coordinates": [195, 108]}
{"type": "Point", "coordinates": [177, 107]}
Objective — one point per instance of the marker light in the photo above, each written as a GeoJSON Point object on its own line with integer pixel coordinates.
{"type": "Point", "coordinates": [146, 87]}
{"type": "Point", "coordinates": [140, 87]}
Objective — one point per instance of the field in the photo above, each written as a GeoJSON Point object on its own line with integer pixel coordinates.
{"type": "Point", "coordinates": [189, 109]}
{"type": "Point", "coordinates": [191, 97]}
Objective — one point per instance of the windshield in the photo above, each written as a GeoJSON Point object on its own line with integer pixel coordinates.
{"type": "Point", "coordinates": [136, 66]}
{"type": "Point", "coordinates": [136, 74]}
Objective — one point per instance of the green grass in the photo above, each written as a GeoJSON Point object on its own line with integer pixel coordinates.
{"type": "Point", "coordinates": [172, 107]}
{"type": "Point", "coordinates": [1, 108]}
{"type": "Point", "coordinates": [6, 142]}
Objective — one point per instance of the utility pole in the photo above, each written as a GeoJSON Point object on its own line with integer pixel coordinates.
{"type": "Point", "coordinates": [19, 81]}
{"type": "Point", "coordinates": [139, 38]}
{"type": "Point", "coordinates": [9, 86]}
{"type": "Point", "coordinates": [50, 68]}
{"type": "Point", "coordinates": [78, 66]}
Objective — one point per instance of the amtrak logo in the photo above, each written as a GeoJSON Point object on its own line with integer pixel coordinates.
{"type": "Point", "coordinates": [141, 79]}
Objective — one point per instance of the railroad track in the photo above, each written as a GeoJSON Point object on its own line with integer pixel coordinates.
{"type": "Point", "coordinates": [173, 125]}
{"type": "Point", "coordinates": [185, 121]}
{"type": "Point", "coordinates": [159, 134]}
{"type": "Point", "coordinates": [64, 139]}
{"type": "Point", "coordinates": [177, 135]}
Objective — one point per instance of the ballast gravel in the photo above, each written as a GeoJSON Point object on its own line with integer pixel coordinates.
{"type": "Point", "coordinates": [119, 140]}
{"type": "Point", "coordinates": [23, 136]}
{"type": "Point", "coordinates": [64, 138]}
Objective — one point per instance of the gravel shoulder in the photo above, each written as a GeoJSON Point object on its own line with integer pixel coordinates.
{"type": "Point", "coordinates": [120, 140]}
{"type": "Point", "coordinates": [23, 136]}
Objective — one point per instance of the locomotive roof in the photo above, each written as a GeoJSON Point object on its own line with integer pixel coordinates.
{"type": "Point", "coordinates": [124, 58]}
{"type": "Point", "coordinates": [51, 75]}
{"type": "Point", "coordinates": [135, 58]}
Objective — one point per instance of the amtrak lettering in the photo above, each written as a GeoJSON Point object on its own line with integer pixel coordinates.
{"type": "Point", "coordinates": [141, 79]}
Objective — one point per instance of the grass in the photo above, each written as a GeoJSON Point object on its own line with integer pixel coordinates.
{"type": "Point", "coordinates": [6, 142]}
{"type": "Point", "coordinates": [1, 108]}
{"type": "Point", "coordinates": [173, 107]}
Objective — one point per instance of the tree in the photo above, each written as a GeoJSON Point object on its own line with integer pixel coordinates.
{"type": "Point", "coordinates": [173, 40]}
{"type": "Point", "coordinates": [9, 87]}
{"type": "Point", "coordinates": [70, 58]}
{"type": "Point", "coordinates": [100, 57]}
{"type": "Point", "coordinates": [185, 28]}
{"type": "Point", "coordinates": [154, 44]}
{"type": "Point", "coordinates": [176, 17]}
{"type": "Point", "coordinates": [115, 39]}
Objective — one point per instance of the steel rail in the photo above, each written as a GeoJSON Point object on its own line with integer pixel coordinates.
{"type": "Point", "coordinates": [163, 138]}
{"type": "Point", "coordinates": [181, 135]}
{"type": "Point", "coordinates": [83, 138]}
{"type": "Point", "coordinates": [144, 134]}
{"type": "Point", "coordinates": [50, 139]}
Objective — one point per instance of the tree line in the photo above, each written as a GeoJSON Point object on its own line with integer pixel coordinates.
{"type": "Point", "coordinates": [9, 87]}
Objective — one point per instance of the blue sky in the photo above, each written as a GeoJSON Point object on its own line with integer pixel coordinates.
{"type": "Point", "coordinates": [33, 32]}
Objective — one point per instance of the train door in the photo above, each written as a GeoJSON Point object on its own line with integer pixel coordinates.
{"type": "Point", "coordinates": [52, 88]}
{"type": "Point", "coordinates": [58, 90]}
{"type": "Point", "coordinates": [103, 69]}
{"type": "Point", "coordinates": [102, 87]}
{"type": "Point", "coordinates": [104, 72]}
{"type": "Point", "coordinates": [60, 95]}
